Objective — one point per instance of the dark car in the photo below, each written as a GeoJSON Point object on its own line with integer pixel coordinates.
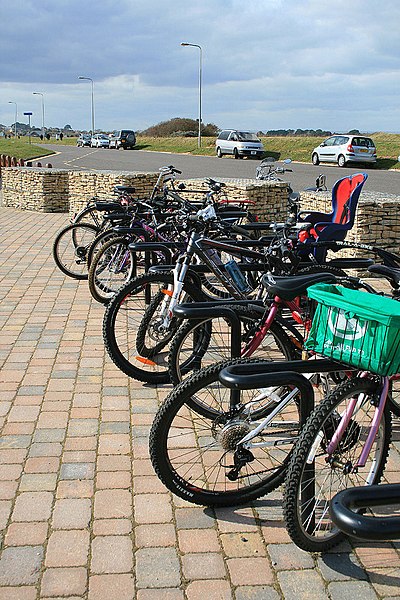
{"type": "Point", "coordinates": [122, 138]}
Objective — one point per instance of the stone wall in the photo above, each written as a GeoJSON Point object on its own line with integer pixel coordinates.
{"type": "Point", "coordinates": [266, 199]}
{"type": "Point", "coordinates": [84, 185]}
{"type": "Point", "coordinates": [43, 190]}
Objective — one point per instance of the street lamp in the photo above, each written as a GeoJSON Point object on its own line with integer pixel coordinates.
{"type": "Point", "coordinates": [200, 71]}
{"type": "Point", "coordinates": [42, 95]}
{"type": "Point", "coordinates": [91, 80]}
{"type": "Point", "coordinates": [29, 114]}
{"type": "Point", "coordinates": [16, 116]}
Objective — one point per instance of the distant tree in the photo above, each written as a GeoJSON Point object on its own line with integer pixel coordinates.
{"type": "Point", "coordinates": [353, 132]}
{"type": "Point", "coordinates": [67, 128]}
{"type": "Point", "coordinates": [180, 126]}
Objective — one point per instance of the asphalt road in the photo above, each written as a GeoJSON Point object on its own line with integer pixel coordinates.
{"type": "Point", "coordinates": [301, 177]}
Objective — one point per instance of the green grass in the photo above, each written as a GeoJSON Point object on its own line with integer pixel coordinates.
{"type": "Point", "coordinates": [22, 149]}
{"type": "Point", "coordinates": [297, 148]}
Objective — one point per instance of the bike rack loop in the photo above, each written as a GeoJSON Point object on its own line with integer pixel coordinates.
{"type": "Point", "coordinates": [199, 311]}
{"type": "Point", "coordinates": [346, 502]}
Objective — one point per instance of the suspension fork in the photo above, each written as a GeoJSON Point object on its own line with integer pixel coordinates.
{"type": "Point", "coordinates": [173, 292]}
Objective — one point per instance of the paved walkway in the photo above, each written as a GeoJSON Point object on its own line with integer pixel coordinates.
{"type": "Point", "coordinates": [82, 514]}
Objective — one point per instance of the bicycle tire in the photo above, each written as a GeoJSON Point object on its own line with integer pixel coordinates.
{"type": "Point", "coordinates": [104, 235]}
{"type": "Point", "coordinates": [70, 249]}
{"type": "Point", "coordinates": [191, 454]}
{"type": "Point", "coordinates": [197, 344]}
{"type": "Point", "coordinates": [111, 268]}
{"type": "Point", "coordinates": [90, 214]}
{"type": "Point", "coordinates": [307, 519]}
{"type": "Point", "coordinates": [122, 320]}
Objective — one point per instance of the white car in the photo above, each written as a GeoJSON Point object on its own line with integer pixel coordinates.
{"type": "Point", "coordinates": [344, 149]}
{"type": "Point", "coordinates": [238, 143]}
{"type": "Point", "coordinates": [99, 140]}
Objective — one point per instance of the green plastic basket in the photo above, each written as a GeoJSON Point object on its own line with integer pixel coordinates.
{"type": "Point", "coordinates": [356, 328]}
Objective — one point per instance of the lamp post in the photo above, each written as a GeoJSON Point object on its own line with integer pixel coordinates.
{"type": "Point", "coordinates": [200, 75]}
{"type": "Point", "coordinates": [42, 95]}
{"type": "Point", "coordinates": [16, 116]}
{"type": "Point", "coordinates": [91, 80]}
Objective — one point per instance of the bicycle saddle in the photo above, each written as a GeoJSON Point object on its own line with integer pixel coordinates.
{"type": "Point", "coordinates": [127, 189]}
{"type": "Point", "coordinates": [288, 288]}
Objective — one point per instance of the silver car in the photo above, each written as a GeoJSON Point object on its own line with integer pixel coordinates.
{"type": "Point", "coordinates": [238, 143]}
{"type": "Point", "coordinates": [344, 149]}
{"type": "Point", "coordinates": [99, 140]}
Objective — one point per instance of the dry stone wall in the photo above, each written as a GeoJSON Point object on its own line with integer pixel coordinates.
{"type": "Point", "coordinates": [268, 200]}
{"type": "Point", "coordinates": [55, 190]}
{"type": "Point", "coordinates": [42, 190]}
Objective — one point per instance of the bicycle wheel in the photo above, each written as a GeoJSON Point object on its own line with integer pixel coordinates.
{"type": "Point", "coordinates": [139, 350]}
{"type": "Point", "coordinates": [90, 215]}
{"type": "Point", "coordinates": [314, 476]}
{"type": "Point", "coordinates": [197, 455]}
{"type": "Point", "coordinates": [199, 344]}
{"type": "Point", "coordinates": [104, 235]}
{"type": "Point", "coordinates": [111, 267]}
{"type": "Point", "coordinates": [70, 249]}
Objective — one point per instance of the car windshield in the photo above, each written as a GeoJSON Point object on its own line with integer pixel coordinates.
{"type": "Point", "coordinates": [246, 136]}
{"type": "Point", "coordinates": [363, 142]}
{"type": "Point", "coordinates": [126, 132]}
{"type": "Point", "coordinates": [102, 136]}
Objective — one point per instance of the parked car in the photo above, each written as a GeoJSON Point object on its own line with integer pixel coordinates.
{"type": "Point", "coordinates": [238, 143]}
{"type": "Point", "coordinates": [122, 138]}
{"type": "Point", "coordinates": [99, 140]}
{"type": "Point", "coordinates": [344, 149]}
{"type": "Point", "coordinates": [84, 140]}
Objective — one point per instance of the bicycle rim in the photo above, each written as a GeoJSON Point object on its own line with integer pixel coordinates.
{"type": "Point", "coordinates": [314, 476]}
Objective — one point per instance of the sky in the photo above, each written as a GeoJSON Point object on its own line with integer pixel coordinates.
{"type": "Point", "coordinates": [266, 64]}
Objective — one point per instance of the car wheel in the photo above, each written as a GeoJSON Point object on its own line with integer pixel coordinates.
{"type": "Point", "coordinates": [219, 153]}
{"type": "Point", "coordinates": [315, 159]}
{"type": "Point", "coordinates": [341, 161]}
{"type": "Point", "coordinates": [235, 153]}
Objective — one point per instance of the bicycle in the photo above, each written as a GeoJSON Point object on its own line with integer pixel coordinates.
{"type": "Point", "coordinates": [218, 444]}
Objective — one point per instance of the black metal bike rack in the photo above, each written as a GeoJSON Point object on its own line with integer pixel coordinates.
{"type": "Point", "coordinates": [344, 507]}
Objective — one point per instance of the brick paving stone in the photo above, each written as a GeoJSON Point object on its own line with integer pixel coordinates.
{"type": "Point", "coordinates": [199, 540]}
{"type": "Point", "coordinates": [74, 489]}
{"type": "Point", "coordinates": [64, 582]}
{"type": "Point", "coordinates": [256, 592]}
{"type": "Point", "coordinates": [33, 506]}
{"type": "Point", "coordinates": [36, 482]}
{"type": "Point", "coordinates": [155, 535]}
{"type": "Point", "coordinates": [109, 504]}
{"type": "Point", "coordinates": [349, 590]}
{"type": "Point", "coordinates": [152, 508]}
{"type": "Point", "coordinates": [193, 518]}
{"type": "Point", "coordinates": [42, 464]}
{"type": "Point", "coordinates": [386, 582]}
{"type": "Point", "coordinates": [49, 435]}
{"type": "Point", "coordinates": [242, 544]}
{"type": "Point", "coordinates": [18, 593]}
{"type": "Point", "coordinates": [71, 513]}
{"type": "Point", "coordinates": [288, 557]}
{"type": "Point", "coordinates": [120, 479]}
{"type": "Point", "coordinates": [111, 554]}
{"type": "Point", "coordinates": [157, 567]}
{"type": "Point", "coordinates": [67, 549]}
{"type": "Point", "coordinates": [232, 520]}
{"type": "Point", "coordinates": [379, 555]}
{"type": "Point", "coordinates": [20, 565]}
{"type": "Point", "coordinates": [8, 489]}
{"type": "Point", "coordinates": [250, 571]}
{"type": "Point", "coordinates": [203, 566]}
{"type": "Point", "coordinates": [212, 590]}
{"type": "Point", "coordinates": [120, 587]}
{"type": "Point", "coordinates": [305, 584]}
{"type": "Point", "coordinates": [5, 511]}
{"type": "Point", "coordinates": [26, 534]}
{"type": "Point", "coordinates": [114, 444]}
{"type": "Point", "coordinates": [112, 527]}
{"type": "Point", "coordinates": [77, 470]}
{"type": "Point", "coordinates": [165, 594]}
